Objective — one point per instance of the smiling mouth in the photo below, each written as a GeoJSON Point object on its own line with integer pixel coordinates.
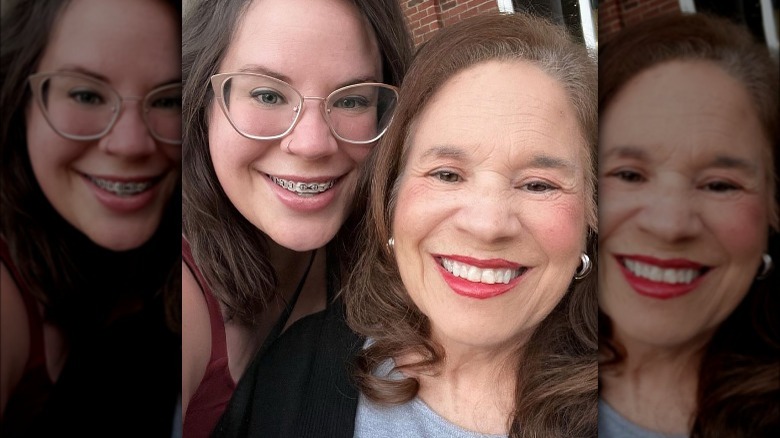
{"type": "Point", "coordinates": [123, 189]}
{"type": "Point", "coordinates": [480, 275]}
{"type": "Point", "coordinates": [303, 189]}
{"type": "Point", "coordinates": [663, 275]}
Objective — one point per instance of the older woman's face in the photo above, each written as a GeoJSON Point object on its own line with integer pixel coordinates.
{"type": "Point", "coordinates": [683, 196]}
{"type": "Point", "coordinates": [490, 221]}
{"type": "Point", "coordinates": [316, 47]}
{"type": "Point", "coordinates": [113, 189]}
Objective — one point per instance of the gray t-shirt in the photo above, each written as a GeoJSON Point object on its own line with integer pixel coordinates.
{"type": "Point", "coordinates": [413, 419]}
{"type": "Point", "coordinates": [613, 425]}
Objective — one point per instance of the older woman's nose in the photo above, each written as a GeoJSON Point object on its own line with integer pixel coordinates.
{"type": "Point", "coordinates": [311, 137]}
{"type": "Point", "coordinates": [129, 137]}
{"type": "Point", "coordinates": [489, 216]}
{"type": "Point", "coordinates": [671, 215]}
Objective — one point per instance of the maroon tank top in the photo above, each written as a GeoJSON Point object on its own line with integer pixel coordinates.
{"type": "Point", "coordinates": [212, 396]}
{"type": "Point", "coordinates": [33, 390]}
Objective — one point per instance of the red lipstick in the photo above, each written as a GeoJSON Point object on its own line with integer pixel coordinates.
{"type": "Point", "coordinates": [477, 290]}
{"type": "Point", "coordinates": [659, 289]}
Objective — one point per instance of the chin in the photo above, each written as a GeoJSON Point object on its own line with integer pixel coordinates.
{"type": "Point", "coordinates": [115, 240]}
{"type": "Point", "coordinates": [302, 242]}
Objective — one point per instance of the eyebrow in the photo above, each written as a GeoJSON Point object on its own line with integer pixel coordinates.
{"type": "Point", "coordinates": [100, 77]}
{"type": "Point", "coordinates": [549, 162]}
{"type": "Point", "coordinates": [731, 162]}
{"type": "Point", "coordinates": [444, 152]}
{"type": "Point", "coordinates": [84, 71]}
{"type": "Point", "coordinates": [255, 68]}
{"type": "Point", "coordinates": [628, 152]}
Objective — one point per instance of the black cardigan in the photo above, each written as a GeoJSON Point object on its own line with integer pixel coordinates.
{"type": "Point", "coordinates": [301, 386]}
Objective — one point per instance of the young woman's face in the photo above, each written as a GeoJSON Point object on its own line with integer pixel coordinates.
{"type": "Point", "coordinates": [490, 219]}
{"type": "Point", "coordinates": [316, 47]}
{"type": "Point", "coordinates": [683, 195]}
{"type": "Point", "coordinates": [112, 189]}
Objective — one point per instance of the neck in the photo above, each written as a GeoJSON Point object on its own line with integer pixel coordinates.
{"type": "Point", "coordinates": [475, 387]}
{"type": "Point", "coordinates": [655, 386]}
{"type": "Point", "coordinates": [293, 271]}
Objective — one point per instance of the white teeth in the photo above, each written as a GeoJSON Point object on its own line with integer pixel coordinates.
{"type": "Point", "coordinates": [661, 275]}
{"type": "Point", "coordinates": [478, 275]}
{"type": "Point", "coordinates": [302, 189]}
{"type": "Point", "coordinates": [122, 189]}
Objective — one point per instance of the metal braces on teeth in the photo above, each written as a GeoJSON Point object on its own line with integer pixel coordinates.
{"type": "Point", "coordinates": [122, 188]}
{"type": "Point", "coordinates": [302, 188]}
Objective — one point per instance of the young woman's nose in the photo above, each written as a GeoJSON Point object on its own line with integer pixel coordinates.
{"type": "Point", "coordinates": [129, 137]}
{"type": "Point", "coordinates": [311, 138]}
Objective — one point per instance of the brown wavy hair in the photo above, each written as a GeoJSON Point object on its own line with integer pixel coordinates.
{"type": "Point", "coordinates": [739, 380]}
{"type": "Point", "coordinates": [59, 266]}
{"type": "Point", "coordinates": [556, 393]}
{"type": "Point", "coordinates": [230, 251]}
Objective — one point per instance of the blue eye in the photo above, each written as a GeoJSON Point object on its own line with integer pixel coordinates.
{"type": "Point", "coordinates": [166, 102]}
{"type": "Point", "coordinates": [267, 97]}
{"type": "Point", "coordinates": [86, 97]}
{"type": "Point", "coordinates": [351, 102]}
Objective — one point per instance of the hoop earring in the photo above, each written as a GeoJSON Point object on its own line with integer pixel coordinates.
{"type": "Point", "coordinates": [288, 146]}
{"type": "Point", "coordinates": [390, 243]}
{"type": "Point", "coordinates": [766, 266]}
{"type": "Point", "coordinates": [585, 269]}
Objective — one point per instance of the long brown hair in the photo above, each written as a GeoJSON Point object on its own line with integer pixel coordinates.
{"type": "Point", "coordinates": [738, 386]}
{"type": "Point", "coordinates": [57, 263]}
{"type": "Point", "coordinates": [556, 394]}
{"type": "Point", "coordinates": [230, 251]}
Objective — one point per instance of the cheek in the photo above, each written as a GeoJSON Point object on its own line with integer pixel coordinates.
{"type": "Point", "coordinates": [410, 213]}
{"type": "Point", "coordinates": [49, 153]}
{"type": "Point", "coordinates": [357, 153]}
{"type": "Point", "coordinates": [614, 206]}
{"type": "Point", "coordinates": [230, 152]}
{"type": "Point", "coordinates": [173, 152]}
{"type": "Point", "coordinates": [741, 228]}
{"type": "Point", "coordinates": [560, 227]}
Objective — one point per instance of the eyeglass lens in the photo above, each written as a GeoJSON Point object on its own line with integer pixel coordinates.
{"type": "Point", "coordinates": [262, 106]}
{"type": "Point", "coordinates": [81, 107]}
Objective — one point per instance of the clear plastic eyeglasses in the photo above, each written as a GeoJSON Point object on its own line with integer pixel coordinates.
{"type": "Point", "coordinates": [79, 107]}
{"type": "Point", "coordinates": [261, 107]}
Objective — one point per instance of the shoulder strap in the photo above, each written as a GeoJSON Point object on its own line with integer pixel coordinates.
{"type": "Point", "coordinates": [218, 339]}
{"type": "Point", "coordinates": [37, 354]}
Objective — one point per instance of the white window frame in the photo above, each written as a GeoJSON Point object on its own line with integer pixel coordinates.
{"type": "Point", "coordinates": [770, 28]}
{"type": "Point", "coordinates": [687, 6]}
{"type": "Point", "coordinates": [505, 6]}
{"type": "Point", "coordinates": [588, 30]}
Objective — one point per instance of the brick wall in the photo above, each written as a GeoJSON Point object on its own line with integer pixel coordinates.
{"type": "Point", "coordinates": [616, 14]}
{"type": "Point", "coordinates": [425, 17]}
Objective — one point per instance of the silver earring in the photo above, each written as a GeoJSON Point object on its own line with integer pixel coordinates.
{"type": "Point", "coordinates": [585, 269]}
{"type": "Point", "coordinates": [766, 266]}
{"type": "Point", "coordinates": [391, 242]}
{"type": "Point", "coordinates": [288, 146]}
